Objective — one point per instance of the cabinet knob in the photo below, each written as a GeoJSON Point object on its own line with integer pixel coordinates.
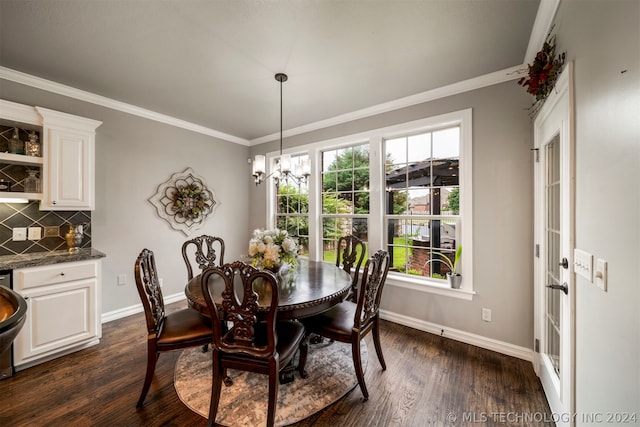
{"type": "Point", "coordinates": [53, 202]}
{"type": "Point", "coordinates": [62, 274]}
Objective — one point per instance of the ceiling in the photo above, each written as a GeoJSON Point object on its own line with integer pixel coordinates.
{"type": "Point", "coordinates": [212, 62]}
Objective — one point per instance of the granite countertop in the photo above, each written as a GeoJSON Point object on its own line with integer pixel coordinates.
{"type": "Point", "coordinates": [36, 259]}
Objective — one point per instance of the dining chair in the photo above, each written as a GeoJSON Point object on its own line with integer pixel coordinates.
{"type": "Point", "coordinates": [254, 342]}
{"type": "Point", "coordinates": [165, 331]}
{"type": "Point", "coordinates": [204, 253]}
{"type": "Point", "coordinates": [350, 322]}
{"type": "Point", "coordinates": [350, 254]}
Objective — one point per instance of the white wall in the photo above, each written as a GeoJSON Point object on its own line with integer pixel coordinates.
{"type": "Point", "coordinates": [503, 214]}
{"type": "Point", "coordinates": [603, 38]}
{"type": "Point", "coordinates": [133, 156]}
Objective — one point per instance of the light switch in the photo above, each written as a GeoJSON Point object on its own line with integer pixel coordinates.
{"type": "Point", "coordinates": [601, 274]}
{"type": "Point", "coordinates": [583, 264]}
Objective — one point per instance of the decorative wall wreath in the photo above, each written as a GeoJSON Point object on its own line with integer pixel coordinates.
{"type": "Point", "coordinates": [185, 201]}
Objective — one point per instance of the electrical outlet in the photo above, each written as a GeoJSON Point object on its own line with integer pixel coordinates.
{"type": "Point", "coordinates": [51, 231]}
{"type": "Point", "coordinates": [122, 279]}
{"type": "Point", "coordinates": [34, 233]}
{"type": "Point", "coordinates": [19, 234]}
{"type": "Point", "coordinates": [486, 314]}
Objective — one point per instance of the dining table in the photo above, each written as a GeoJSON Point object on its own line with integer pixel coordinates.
{"type": "Point", "coordinates": [311, 288]}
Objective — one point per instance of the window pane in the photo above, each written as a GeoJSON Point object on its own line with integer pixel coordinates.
{"type": "Point", "coordinates": [446, 143]}
{"type": "Point", "coordinates": [450, 201]}
{"type": "Point", "coordinates": [395, 151]}
{"type": "Point", "coordinates": [419, 201]}
{"type": "Point", "coordinates": [361, 179]}
{"type": "Point", "coordinates": [329, 181]}
{"type": "Point", "coordinates": [396, 202]}
{"type": "Point", "coordinates": [361, 202]}
{"type": "Point", "coordinates": [344, 159]}
{"type": "Point", "coordinates": [345, 180]}
{"type": "Point", "coordinates": [334, 228]}
{"type": "Point", "coordinates": [328, 159]}
{"type": "Point", "coordinates": [419, 147]}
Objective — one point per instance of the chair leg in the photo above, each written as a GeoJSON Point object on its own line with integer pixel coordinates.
{"type": "Point", "coordinates": [274, 381]}
{"type": "Point", "coordinates": [357, 364]}
{"type": "Point", "coordinates": [302, 360]}
{"type": "Point", "coordinates": [216, 389]}
{"type": "Point", "coordinates": [152, 358]}
{"type": "Point", "coordinates": [376, 342]}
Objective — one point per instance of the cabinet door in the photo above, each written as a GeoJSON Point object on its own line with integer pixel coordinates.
{"type": "Point", "coordinates": [59, 317]}
{"type": "Point", "coordinates": [68, 170]}
{"type": "Point", "coordinates": [70, 175]}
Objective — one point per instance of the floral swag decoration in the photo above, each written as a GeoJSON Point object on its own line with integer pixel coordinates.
{"type": "Point", "coordinates": [544, 71]}
{"type": "Point", "coordinates": [191, 200]}
{"type": "Point", "coordinates": [271, 249]}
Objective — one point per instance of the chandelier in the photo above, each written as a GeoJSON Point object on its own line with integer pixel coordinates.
{"type": "Point", "coordinates": [283, 172]}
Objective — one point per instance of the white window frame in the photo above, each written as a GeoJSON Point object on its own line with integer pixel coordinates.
{"type": "Point", "coordinates": [376, 216]}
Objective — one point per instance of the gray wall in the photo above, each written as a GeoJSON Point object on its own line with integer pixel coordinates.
{"type": "Point", "coordinates": [503, 213]}
{"type": "Point", "coordinates": [603, 38]}
{"type": "Point", "coordinates": [133, 156]}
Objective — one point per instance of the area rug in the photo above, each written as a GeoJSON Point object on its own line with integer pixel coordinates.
{"type": "Point", "coordinates": [244, 403]}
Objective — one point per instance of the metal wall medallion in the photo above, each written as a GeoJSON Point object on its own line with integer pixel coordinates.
{"type": "Point", "coordinates": [185, 201]}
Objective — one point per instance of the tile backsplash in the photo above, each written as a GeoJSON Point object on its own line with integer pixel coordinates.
{"type": "Point", "coordinates": [28, 215]}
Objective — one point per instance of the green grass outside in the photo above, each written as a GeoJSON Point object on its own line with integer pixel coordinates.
{"type": "Point", "coordinates": [399, 254]}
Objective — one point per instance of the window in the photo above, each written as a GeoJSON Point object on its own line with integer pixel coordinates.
{"type": "Point", "coordinates": [405, 188]}
{"type": "Point", "coordinates": [292, 207]}
{"type": "Point", "coordinates": [345, 196]}
{"type": "Point", "coordinates": [422, 210]}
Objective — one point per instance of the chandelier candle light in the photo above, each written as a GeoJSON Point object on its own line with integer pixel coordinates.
{"type": "Point", "coordinates": [300, 174]}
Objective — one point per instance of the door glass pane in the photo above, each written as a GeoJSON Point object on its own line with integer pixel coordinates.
{"type": "Point", "coordinates": [552, 225]}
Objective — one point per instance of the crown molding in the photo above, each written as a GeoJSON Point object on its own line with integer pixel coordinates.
{"type": "Point", "coordinates": [430, 95]}
{"type": "Point", "coordinates": [81, 95]}
{"type": "Point", "coordinates": [541, 27]}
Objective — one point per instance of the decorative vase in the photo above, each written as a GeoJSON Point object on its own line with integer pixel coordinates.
{"type": "Point", "coordinates": [16, 146]}
{"type": "Point", "coordinates": [455, 280]}
{"type": "Point", "coordinates": [74, 238]}
{"type": "Point", "coordinates": [32, 146]}
{"type": "Point", "coordinates": [32, 182]}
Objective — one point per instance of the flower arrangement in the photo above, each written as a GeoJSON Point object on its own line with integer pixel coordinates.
{"type": "Point", "coordinates": [272, 248]}
{"type": "Point", "coordinates": [544, 71]}
{"type": "Point", "coordinates": [190, 201]}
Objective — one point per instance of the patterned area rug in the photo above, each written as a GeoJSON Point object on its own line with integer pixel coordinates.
{"type": "Point", "coordinates": [331, 376]}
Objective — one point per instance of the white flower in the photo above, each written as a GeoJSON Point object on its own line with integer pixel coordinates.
{"type": "Point", "coordinates": [268, 239]}
{"type": "Point", "coordinates": [288, 244]}
{"type": "Point", "coordinates": [261, 247]}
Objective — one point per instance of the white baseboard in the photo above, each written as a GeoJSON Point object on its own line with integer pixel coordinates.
{"type": "Point", "coordinates": [137, 308]}
{"type": "Point", "coordinates": [421, 325]}
{"type": "Point", "coordinates": [458, 335]}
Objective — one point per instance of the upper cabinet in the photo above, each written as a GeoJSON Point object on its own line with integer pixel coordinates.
{"type": "Point", "coordinates": [68, 156]}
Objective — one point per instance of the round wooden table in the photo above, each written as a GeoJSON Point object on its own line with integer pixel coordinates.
{"type": "Point", "coordinates": [317, 287]}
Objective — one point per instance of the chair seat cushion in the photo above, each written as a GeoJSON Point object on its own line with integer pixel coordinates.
{"type": "Point", "coordinates": [184, 326]}
{"type": "Point", "coordinates": [290, 333]}
{"type": "Point", "coordinates": [336, 323]}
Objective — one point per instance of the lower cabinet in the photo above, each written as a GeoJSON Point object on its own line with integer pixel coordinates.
{"type": "Point", "coordinates": [63, 310]}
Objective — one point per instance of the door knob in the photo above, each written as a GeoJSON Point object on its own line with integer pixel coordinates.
{"type": "Point", "coordinates": [564, 288]}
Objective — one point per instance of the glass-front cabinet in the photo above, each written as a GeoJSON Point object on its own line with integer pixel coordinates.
{"type": "Point", "coordinates": [47, 155]}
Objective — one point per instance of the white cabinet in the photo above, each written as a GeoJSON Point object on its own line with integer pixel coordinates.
{"type": "Point", "coordinates": [68, 156]}
{"type": "Point", "coordinates": [69, 153]}
{"type": "Point", "coordinates": [63, 312]}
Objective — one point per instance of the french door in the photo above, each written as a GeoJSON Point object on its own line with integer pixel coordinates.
{"type": "Point", "coordinates": [554, 279]}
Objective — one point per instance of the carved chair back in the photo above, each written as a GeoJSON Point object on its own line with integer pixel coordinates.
{"type": "Point", "coordinates": [247, 333]}
{"type": "Point", "coordinates": [350, 254]}
{"type": "Point", "coordinates": [149, 290]}
{"type": "Point", "coordinates": [373, 280]}
{"type": "Point", "coordinates": [204, 253]}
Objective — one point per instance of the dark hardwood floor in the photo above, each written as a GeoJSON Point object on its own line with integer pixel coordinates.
{"type": "Point", "coordinates": [430, 380]}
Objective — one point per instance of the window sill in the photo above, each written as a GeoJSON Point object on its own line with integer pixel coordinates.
{"type": "Point", "coordinates": [421, 285]}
